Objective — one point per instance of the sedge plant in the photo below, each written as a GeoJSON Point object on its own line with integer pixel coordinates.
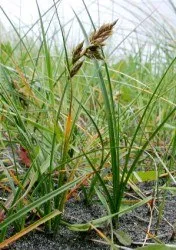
{"type": "Point", "coordinates": [37, 125]}
{"type": "Point", "coordinates": [43, 112]}
{"type": "Point", "coordinates": [138, 143]}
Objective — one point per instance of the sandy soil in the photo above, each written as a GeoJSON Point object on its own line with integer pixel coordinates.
{"type": "Point", "coordinates": [135, 224]}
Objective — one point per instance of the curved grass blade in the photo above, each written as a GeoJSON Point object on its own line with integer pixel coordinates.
{"type": "Point", "coordinates": [98, 222]}
{"type": "Point", "coordinates": [28, 229]}
{"type": "Point", "coordinates": [38, 203]}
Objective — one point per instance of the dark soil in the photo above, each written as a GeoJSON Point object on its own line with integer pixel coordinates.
{"type": "Point", "coordinates": [137, 222]}
{"type": "Point", "coordinates": [134, 223]}
{"type": "Point", "coordinates": [75, 212]}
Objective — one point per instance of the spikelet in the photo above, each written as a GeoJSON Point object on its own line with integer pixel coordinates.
{"type": "Point", "coordinates": [97, 39]}
{"type": "Point", "coordinates": [104, 32]}
{"type": "Point", "coordinates": [76, 54]}
{"type": "Point", "coordinates": [76, 68]}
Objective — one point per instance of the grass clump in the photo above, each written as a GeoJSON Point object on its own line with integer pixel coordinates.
{"type": "Point", "coordinates": [75, 122]}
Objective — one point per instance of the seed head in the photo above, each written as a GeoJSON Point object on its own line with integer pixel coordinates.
{"type": "Point", "coordinates": [76, 68]}
{"type": "Point", "coordinates": [103, 33]}
{"type": "Point", "coordinates": [93, 51]}
{"type": "Point", "coordinates": [76, 54]}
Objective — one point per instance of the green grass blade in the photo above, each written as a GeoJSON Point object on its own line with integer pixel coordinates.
{"type": "Point", "coordinates": [38, 203]}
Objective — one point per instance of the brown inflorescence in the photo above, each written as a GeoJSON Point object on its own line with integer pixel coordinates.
{"type": "Point", "coordinates": [93, 50]}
